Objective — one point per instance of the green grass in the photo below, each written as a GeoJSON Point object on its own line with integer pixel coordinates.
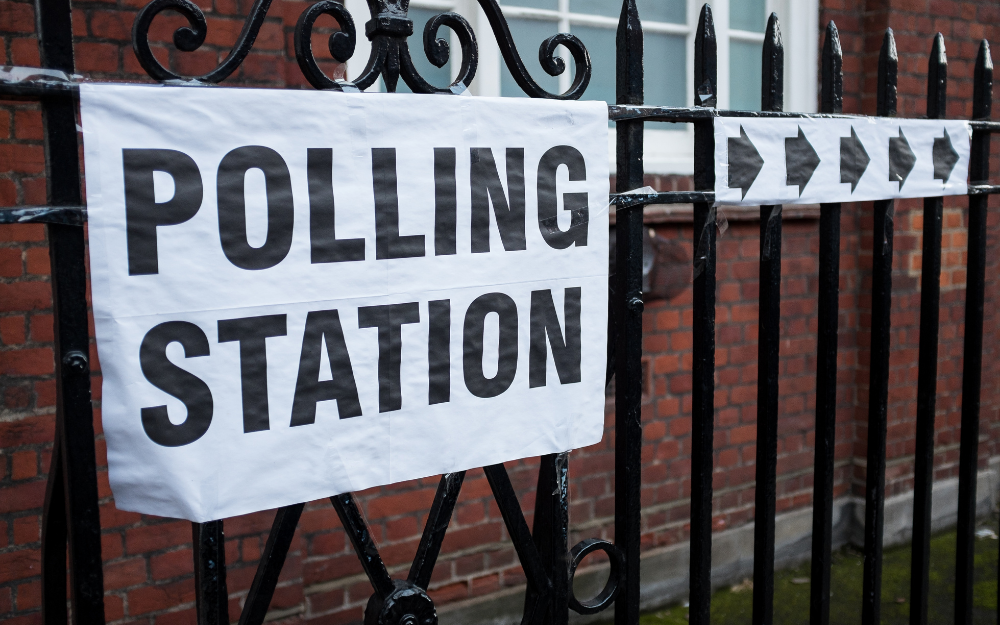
{"type": "Point", "coordinates": [791, 589]}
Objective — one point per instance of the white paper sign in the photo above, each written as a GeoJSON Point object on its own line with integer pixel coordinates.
{"type": "Point", "coordinates": [299, 294]}
{"type": "Point", "coordinates": [810, 161]}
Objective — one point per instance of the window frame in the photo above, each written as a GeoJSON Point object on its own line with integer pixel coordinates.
{"type": "Point", "coordinates": [668, 150]}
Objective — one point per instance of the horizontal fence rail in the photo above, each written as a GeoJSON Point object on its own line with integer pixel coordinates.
{"type": "Point", "coordinates": [71, 515]}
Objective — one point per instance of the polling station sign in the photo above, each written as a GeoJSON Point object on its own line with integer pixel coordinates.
{"type": "Point", "coordinates": [299, 294]}
{"type": "Point", "coordinates": [815, 160]}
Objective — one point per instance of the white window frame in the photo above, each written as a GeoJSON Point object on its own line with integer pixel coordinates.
{"type": "Point", "coordinates": [668, 148]}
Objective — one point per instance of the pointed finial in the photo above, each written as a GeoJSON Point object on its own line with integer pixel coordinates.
{"type": "Point", "coordinates": [982, 90]}
{"type": "Point", "coordinates": [772, 84]}
{"type": "Point", "coordinates": [937, 79]}
{"type": "Point", "coordinates": [832, 98]}
{"type": "Point", "coordinates": [705, 60]}
{"type": "Point", "coordinates": [629, 75]}
{"type": "Point", "coordinates": [888, 64]}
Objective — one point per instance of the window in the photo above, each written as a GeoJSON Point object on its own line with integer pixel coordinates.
{"type": "Point", "coordinates": [669, 28]}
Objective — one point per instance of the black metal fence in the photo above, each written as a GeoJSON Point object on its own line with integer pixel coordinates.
{"type": "Point", "coordinates": [71, 512]}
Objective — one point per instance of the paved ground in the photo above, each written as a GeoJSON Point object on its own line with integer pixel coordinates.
{"type": "Point", "coordinates": [791, 598]}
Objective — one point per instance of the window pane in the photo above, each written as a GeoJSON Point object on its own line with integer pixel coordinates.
{"type": "Point", "coordinates": [534, 4]}
{"type": "Point", "coordinates": [674, 11]}
{"type": "Point", "coordinates": [744, 75]}
{"type": "Point", "coordinates": [665, 69]}
{"type": "Point", "coordinates": [437, 76]}
{"type": "Point", "coordinates": [666, 80]}
{"type": "Point", "coordinates": [528, 36]}
{"type": "Point", "coordinates": [600, 43]}
{"type": "Point", "coordinates": [748, 15]}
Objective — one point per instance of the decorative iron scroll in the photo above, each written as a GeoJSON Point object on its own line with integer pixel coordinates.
{"type": "Point", "coordinates": [388, 29]}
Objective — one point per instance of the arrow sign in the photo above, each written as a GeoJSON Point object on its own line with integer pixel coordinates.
{"type": "Point", "coordinates": [945, 157]}
{"type": "Point", "coordinates": [762, 161]}
{"type": "Point", "coordinates": [745, 162]}
{"type": "Point", "coordinates": [801, 161]}
{"type": "Point", "coordinates": [901, 158]}
{"type": "Point", "coordinates": [854, 159]}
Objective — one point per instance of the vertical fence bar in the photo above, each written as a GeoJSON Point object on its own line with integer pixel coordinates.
{"type": "Point", "coordinates": [54, 545]}
{"type": "Point", "coordinates": [76, 465]}
{"type": "Point", "coordinates": [832, 100]}
{"type": "Point", "coordinates": [628, 312]}
{"type": "Point", "coordinates": [279, 540]}
{"type": "Point", "coordinates": [972, 362]}
{"type": "Point", "coordinates": [878, 381]}
{"type": "Point", "coordinates": [211, 592]}
{"type": "Point", "coordinates": [930, 300]}
{"type": "Point", "coordinates": [550, 531]}
{"type": "Point", "coordinates": [772, 99]}
{"type": "Point", "coordinates": [703, 365]}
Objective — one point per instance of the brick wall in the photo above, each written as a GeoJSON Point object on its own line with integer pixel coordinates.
{"type": "Point", "coordinates": [148, 570]}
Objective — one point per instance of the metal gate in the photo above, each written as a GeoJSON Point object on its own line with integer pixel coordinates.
{"type": "Point", "coordinates": [71, 512]}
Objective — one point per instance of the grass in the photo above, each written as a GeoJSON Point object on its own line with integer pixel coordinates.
{"type": "Point", "coordinates": [791, 589]}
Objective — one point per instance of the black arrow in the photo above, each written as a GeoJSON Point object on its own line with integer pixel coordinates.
{"type": "Point", "coordinates": [945, 157]}
{"type": "Point", "coordinates": [901, 158]}
{"type": "Point", "coordinates": [854, 159]}
{"type": "Point", "coordinates": [801, 161]}
{"type": "Point", "coordinates": [744, 162]}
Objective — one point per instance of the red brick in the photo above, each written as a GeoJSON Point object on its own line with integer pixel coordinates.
{"type": "Point", "coordinates": [20, 158]}
{"type": "Point", "coordinates": [18, 17]}
{"type": "Point", "coordinates": [29, 596]}
{"type": "Point", "coordinates": [401, 504]}
{"type": "Point", "coordinates": [8, 197]}
{"type": "Point", "coordinates": [153, 598]}
{"type": "Point", "coordinates": [6, 600]}
{"type": "Point", "coordinates": [96, 57]}
{"type": "Point", "coordinates": [12, 330]}
{"type": "Point", "coordinates": [34, 190]}
{"type": "Point", "coordinates": [180, 617]}
{"type": "Point", "coordinates": [451, 592]}
{"type": "Point", "coordinates": [45, 393]}
{"type": "Point", "coordinates": [157, 537]}
{"type": "Point", "coordinates": [23, 496]}
{"type": "Point", "coordinates": [19, 565]}
{"type": "Point", "coordinates": [24, 51]}
{"type": "Point", "coordinates": [111, 25]}
{"type": "Point", "coordinates": [38, 261]}
{"type": "Point", "coordinates": [172, 564]}
{"type": "Point", "coordinates": [325, 601]}
{"type": "Point", "coordinates": [38, 361]}
{"type": "Point", "coordinates": [22, 233]}
{"type": "Point", "coordinates": [11, 264]}
{"type": "Point", "coordinates": [41, 328]}
{"type": "Point", "coordinates": [124, 573]}
{"type": "Point", "coordinates": [27, 431]}
{"type": "Point", "coordinates": [28, 124]}
{"type": "Point", "coordinates": [24, 296]}
{"type": "Point", "coordinates": [25, 465]}
{"type": "Point", "coordinates": [27, 529]}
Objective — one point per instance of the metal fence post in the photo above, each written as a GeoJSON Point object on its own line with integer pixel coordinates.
{"type": "Point", "coordinates": [930, 298]}
{"type": "Point", "coordinates": [703, 366]}
{"type": "Point", "coordinates": [972, 361]}
{"type": "Point", "coordinates": [628, 313]}
{"type": "Point", "coordinates": [878, 384]}
{"type": "Point", "coordinates": [832, 99]}
{"type": "Point", "coordinates": [211, 592]}
{"type": "Point", "coordinates": [769, 301]}
{"type": "Point", "coordinates": [71, 510]}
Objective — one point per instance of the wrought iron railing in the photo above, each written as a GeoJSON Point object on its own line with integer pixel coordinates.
{"type": "Point", "coordinates": [71, 512]}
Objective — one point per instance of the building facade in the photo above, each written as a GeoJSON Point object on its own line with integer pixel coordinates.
{"type": "Point", "coordinates": [148, 569]}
